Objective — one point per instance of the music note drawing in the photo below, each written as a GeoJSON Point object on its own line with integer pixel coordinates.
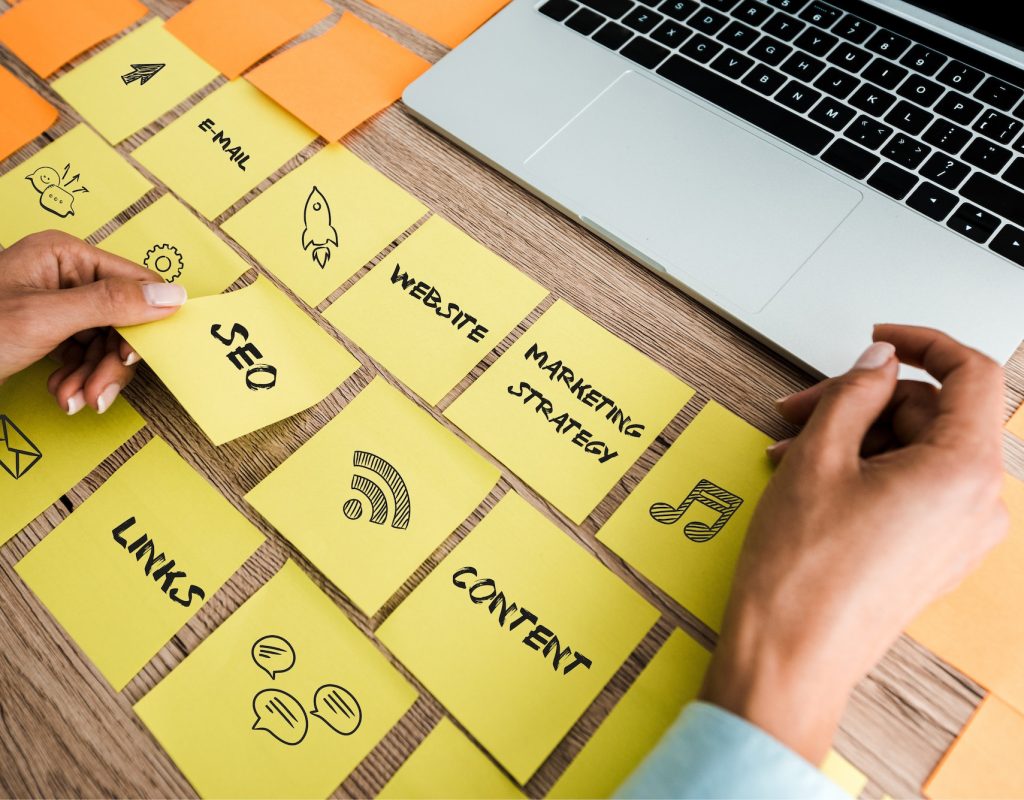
{"type": "Point", "coordinates": [708, 495]}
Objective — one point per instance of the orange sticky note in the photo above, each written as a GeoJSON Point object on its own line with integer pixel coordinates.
{"type": "Point", "coordinates": [232, 35]}
{"type": "Point", "coordinates": [445, 21]}
{"type": "Point", "coordinates": [46, 34]}
{"type": "Point", "coordinates": [985, 760]}
{"type": "Point", "coordinates": [979, 628]}
{"type": "Point", "coordinates": [26, 113]}
{"type": "Point", "coordinates": [1015, 425]}
{"type": "Point", "coordinates": [337, 81]}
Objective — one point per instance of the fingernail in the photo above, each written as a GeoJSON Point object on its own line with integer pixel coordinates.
{"type": "Point", "coordinates": [875, 356]}
{"type": "Point", "coordinates": [76, 403]}
{"type": "Point", "coordinates": [779, 446]}
{"type": "Point", "coordinates": [164, 295]}
{"type": "Point", "coordinates": [107, 396]}
{"type": "Point", "coordinates": [133, 358]}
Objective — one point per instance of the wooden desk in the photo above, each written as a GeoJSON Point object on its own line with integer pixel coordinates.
{"type": "Point", "coordinates": [64, 732]}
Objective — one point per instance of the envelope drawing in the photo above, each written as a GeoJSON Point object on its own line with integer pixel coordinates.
{"type": "Point", "coordinates": [17, 453]}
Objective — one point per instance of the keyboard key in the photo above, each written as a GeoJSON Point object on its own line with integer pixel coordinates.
{"type": "Point", "coordinates": [868, 132]}
{"type": "Point", "coordinates": [738, 35]}
{"type": "Point", "coordinates": [797, 96]}
{"type": "Point", "coordinates": [764, 79]}
{"type": "Point", "coordinates": [803, 66]}
{"type": "Point", "coordinates": [932, 201]}
{"type": "Point", "coordinates": [995, 196]}
{"type": "Point", "coordinates": [999, 93]}
{"type": "Point", "coordinates": [1015, 173]}
{"type": "Point", "coordinates": [892, 180]}
{"type": "Point", "coordinates": [872, 99]}
{"type": "Point", "coordinates": [960, 76]}
{"type": "Point", "coordinates": [701, 48]}
{"type": "Point", "coordinates": [613, 35]}
{"type": "Point", "coordinates": [792, 6]}
{"type": "Point", "coordinates": [921, 90]}
{"type": "Point", "coordinates": [973, 222]}
{"type": "Point", "coordinates": [958, 108]}
{"type": "Point", "coordinates": [821, 14]}
{"type": "Point", "coordinates": [765, 114]}
{"type": "Point", "coordinates": [908, 117]}
{"type": "Point", "coordinates": [1009, 243]}
{"type": "Point", "coordinates": [999, 127]}
{"type": "Point", "coordinates": [850, 159]}
{"type": "Point", "coordinates": [585, 21]}
{"type": "Point", "coordinates": [610, 8]}
{"type": "Point", "coordinates": [783, 26]}
{"type": "Point", "coordinates": [945, 171]}
{"type": "Point", "coordinates": [770, 50]}
{"type": "Point", "coordinates": [854, 29]}
{"type": "Point", "coordinates": [832, 114]}
{"type": "Point", "coordinates": [816, 42]}
{"type": "Point", "coordinates": [558, 9]}
{"type": "Point", "coordinates": [670, 33]}
{"type": "Point", "coordinates": [923, 60]}
{"type": "Point", "coordinates": [887, 44]}
{"type": "Point", "coordinates": [645, 52]}
{"type": "Point", "coordinates": [709, 22]}
{"type": "Point", "coordinates": [905, 151]}
{"type": "Point", "coordinates": [849, 57]}
{"type": "Point", "coordinates": [987, 156]}
{"type": "Point", "coordinates": [884, 73]}
{"type": "Point", "coordinates": [947, 136]}
{"type": "Point", "coordinates": [732, 64]}
{"type": "Point", "coordinates": [752, 12]}
{"type": "Point", "coordinates": [678, 9]}
{"type": "Point", "coordinates": [642, 19]}
{"type": "Point", "coordinates": [836, 82]}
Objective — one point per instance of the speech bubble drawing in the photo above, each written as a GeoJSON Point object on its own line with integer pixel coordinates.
{"type": "Point", "coordinates": [43, 177]}
{"type": "Point", "coordinates": [280, 715]}
{"type": "Point", "coordinates": [58, 201]}
{"type": "Point", "coordinates": [338, 708]}
{"type": "Point", "coordinates": [273, 655]}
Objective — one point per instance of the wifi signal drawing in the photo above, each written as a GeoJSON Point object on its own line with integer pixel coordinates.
{"type": "Point", "coordinates": [375, 495]}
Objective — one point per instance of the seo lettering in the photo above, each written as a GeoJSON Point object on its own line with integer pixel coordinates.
{"type": "Point", "coordinates": [257, 375]}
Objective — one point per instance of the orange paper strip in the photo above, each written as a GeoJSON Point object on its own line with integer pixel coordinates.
{"type": "Point", "coordinates": [26, 113]}
{"type": "Point", "coordinates": [46, 34]}
{"type": "Point", "coordinates": [232, 35]}
{"type": "Point", "coordinates": [985, 760]}
{"type": "Point", "coordinates": [337, 81]}
{"type": "Point", "coordinates": [446, 21]}
{"type": "Point", "coordinates": [979, 628]}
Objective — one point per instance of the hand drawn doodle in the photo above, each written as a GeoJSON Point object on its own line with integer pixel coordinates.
{"type": "Point", "coordinates": [280, 715]}
{"type": "Point", "coordinates": [54, 194]}
{"type": "Point", "coordinates": [141, 73]}
{"type": "Point", "coordinates": [318, 232]}
{"type": "Point", "coordinates": [338, 708]}
{"type": "Point", "coordinates": [17, 453]}
{"type": "Point", "coordinates": [273, 655]}
{"type": "Point", "coordinates": [378, 499]}
{"type": "Point", "coordinates": [166, 260]}
{"type": "Point", "coordinates": [710, 496]}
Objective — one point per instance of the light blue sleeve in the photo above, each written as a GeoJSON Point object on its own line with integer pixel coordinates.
{"type": "Point", "coordinates": [710, 753]}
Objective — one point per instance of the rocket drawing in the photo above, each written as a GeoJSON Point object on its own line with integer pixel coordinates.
{"type": "Point", "coordinates": [318, 232]}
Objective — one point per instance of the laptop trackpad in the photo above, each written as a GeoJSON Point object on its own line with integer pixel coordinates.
{"type": "Point", "coordinates": [725, 211]}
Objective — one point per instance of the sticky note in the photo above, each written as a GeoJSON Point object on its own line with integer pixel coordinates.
{"type": "Point", "coordinates": [382, 485]}
{"type": "Point", "coordinates": [684, 524]}
{"type": "Point", "coordinates": [46, 34]}
{"type": "Point", "coordinates": [316, 226]}
{"type": "Point", "coordinates": [76, 184]}
{"type": "Point", "coordinates": [978, 628]}
{"type": "Point", "coordinates": [172, 242]}
{"type": "Point", "coordinates": [448, 766]}
{"type": "Point", "coordinates": [26, 113]}
{"type": "Point", "coordinates": [235, 34]}
{"type": "Point", "coordinates": [339, 79]}
{"type": "Point", "coordinates": [516, 632]}
{"type": "Point", "coordinates": [284, 699]}
{"type": "Point", "coordinates": [223, 146]}
{"type": "Point", "coordinates": [137, 559]}
{"type": "Point", "coordinates": [638, 721]}
{"type": "Point", "coordinates": [569, 407]}
{"type": "Point", "coordinates": [43, 451]}
{"type": "Point", "coordinates": [447, 21]}
{"type": "Point", "coordinates": [239, 361]}
{"type": "Point", "coordinates": [1015, 425]}
{"type": "Point", "coordinates": [841, 772]}
{"type": "Point", "coordinates": [447, 302]}
{"type": "Point", "coordinates": [138, 78]}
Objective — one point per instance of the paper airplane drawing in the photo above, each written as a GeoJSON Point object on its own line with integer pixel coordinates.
{"type": "Point", "coordinates": [141, 73]}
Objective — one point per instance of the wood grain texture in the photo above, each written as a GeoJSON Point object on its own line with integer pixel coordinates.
{"type": "Point", "coordinates": [64, 732]}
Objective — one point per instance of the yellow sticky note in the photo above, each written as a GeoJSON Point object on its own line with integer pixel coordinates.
{"type": "Point", "coordinates": [1015, 424]}
{"type": "Point", "coordinates": [516, 632]}
{"type": "Point", "coordinates": [382, 485]}
{"type": "Point", "coordinates": [569, 407]}
{"type": "Point", "coordinates": [137, 559]}
{"type": "Point", "coordinates": [75, 184]}
{"type": "Point", "coordinates": [283, 700]}
{"type": "Point", "coordinates": [448, 766]}
{"type": "Point", "coordinates": [239, 361]}
{"type": "Point", "coordinates": [174, 243]}
{"type": "Point", "coordinates": [43, 451]}
{"type": "Point", "coordinates": [638, 721]}
{"type": "Point", "coordinates": [684, 524]}
{"type": "Point", "coordinates": [448, 301]}
{"type": "Point", "coordinates": [223, 146]}
{"type": "Point", "coordinates": [323, 221]}
{"type": "Point", "coordinates": [841, 772]}
{"type": "Point", "coordinates": [135, 80]}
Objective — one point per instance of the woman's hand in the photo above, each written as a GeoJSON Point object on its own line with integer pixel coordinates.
{"type": "Point", "coordinates": [887, 499]}
{"type": "Point", "coordinates": [59, 296]}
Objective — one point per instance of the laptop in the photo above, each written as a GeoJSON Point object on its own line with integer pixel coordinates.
{"type": "Point", "coordinates": [804, 168]}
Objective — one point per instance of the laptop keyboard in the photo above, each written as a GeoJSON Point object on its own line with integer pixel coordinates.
{"type": "Point", "coordinates": [940, 135]}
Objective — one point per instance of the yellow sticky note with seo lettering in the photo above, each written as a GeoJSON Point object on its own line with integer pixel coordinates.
{"type": "Point", "coordinates": [76, 184]}
{"type": "Point", "coordinates": [134, 80]}
{"type": "Point", "coordinates": [684, 524]}
{"type": "Point", "coordinates": [174, 243]}
{"type": "Point", "coordinates": [43, 451]}
{"type": "Point", "coordinates": [448, 300]}
{"type": "Point", "coordinates": [516, 632]}
{"type": "Point", "coordinates": [569, 407]}
{"type": "Point", "coordinates": [240, 361]}
{"type": "Point", "coordinates": [448, 766]}
{"type": "Point", "coordinates": [638, 721]}
{"type": "Point", "coordinates": [284, 699]}
{"type": "Point", "coordinates": [323, 221]}
{"type": "Point", "coordinates": [382, 485]}
{"type": "Point", "coordinates": [137, 559]}
{"type": "Point", "coordinates": [223, 146]}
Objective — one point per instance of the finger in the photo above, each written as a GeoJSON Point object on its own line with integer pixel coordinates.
{"type": "Point", "coordinates": [70, 355]}
{"type": "Point", "coordinates": [79, 264]}
{"type": "Point", "coordinates": [128, 355]}
{"type": "Point", "coordinates": [107, 379]}
{"type": "Point", "coordinates": [776, 452]}
{"type": "Point", "coordinates": [70, 391]}
{"type": "Point", "coordinates": [914, 407]}
{"type": "Point", "coordinates": [797, 407]}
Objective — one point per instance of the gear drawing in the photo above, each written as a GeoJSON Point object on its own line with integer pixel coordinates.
{"type": "Point", "coordinates": [165, 260]}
